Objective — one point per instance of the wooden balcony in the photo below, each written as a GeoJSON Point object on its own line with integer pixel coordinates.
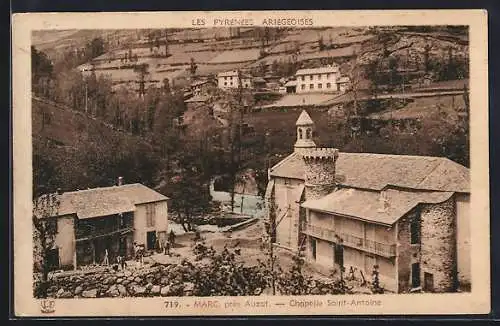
{"type": "Point", "coordinates": [350, 240]}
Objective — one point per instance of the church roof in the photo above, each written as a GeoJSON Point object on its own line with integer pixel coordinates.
{"type": "Point", "coordinates": [395, 204]}
{"type": "Point", "coordinates": [304, 119]}
{"type": "Point", "coordinates": [376, 171]}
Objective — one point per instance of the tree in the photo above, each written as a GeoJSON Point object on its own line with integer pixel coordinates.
{"type": "Point", "coordinates": [41, 70]}
{"type": "Point", "coordinates": [321, 44]}
{"type": "Point", "coordinates": [166, 43]}
{"type": "Point", "coordinates": [142, 70]}
{"type": "Point", "coordinates": [44, 220]}
{"type": "Point", "coordinates": [193, 67]}
{"type": "Point", "coordinates": [96, 47]}
{"type": "Point", "coordinates": [427, 61]}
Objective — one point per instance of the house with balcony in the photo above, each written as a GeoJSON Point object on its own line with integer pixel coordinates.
{"type": "Point", "coordinates": [406, 215]}
{"type": "Point", "coordinates": [90, 222]}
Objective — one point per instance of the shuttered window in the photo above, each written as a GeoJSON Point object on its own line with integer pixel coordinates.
{"type": "Point", "coordinates": [150, 215]}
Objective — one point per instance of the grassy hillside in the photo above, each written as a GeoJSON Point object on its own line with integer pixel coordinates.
{"type": "Point", "coordinates": [72, 151]}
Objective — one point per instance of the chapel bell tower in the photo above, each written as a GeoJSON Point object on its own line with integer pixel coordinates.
{"type": "Point", "coordinates": [305, 129]}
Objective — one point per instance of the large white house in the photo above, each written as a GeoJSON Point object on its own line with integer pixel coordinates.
{"type": "Point", "coordinates": [231, 79]}
{"type": "Point", "coordinates": [324, 79]}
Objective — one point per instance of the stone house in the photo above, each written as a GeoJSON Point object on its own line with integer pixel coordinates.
{"type": "Point", "coordinates": [89, 222]}
{"type": "Point", "coordinates": [231, 79]}
{"type": "Point", "coordinates": [408, 215]}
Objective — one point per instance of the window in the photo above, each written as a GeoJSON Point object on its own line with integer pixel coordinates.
{"type": "Point", "coordinates": [303, 86]}
{"type": "Point", "coordinates": [225, 83]}
{"type": "Point", "coordinates": [310, 77]}
{"type": "Point", "coordinates": [319, 77]}
{"type": "Point", "coordinates": [328, 85]}
{"type": "Point", "coordinates": [287, 181]}
{"type": "Point", "coordinates": [150, 215]}
{"type": "Point", "coordinates": [300, 133]}
{"type": "Point", "coordinates": [308, 133]}
{"type": "Point", "coordinates": [303, 78]}
{"type": "Point", "coordinates": [231, 77]}
{"type": "Point", "coordinates": [338, 254]}
{"type": "Point", "coordinates": [415, 228]}
{"type": "Point", "coordinates": [313, 248]}
{"type": "Point", "coordinates": [311, 86]}
{"type": "Point", "coordinates": [320, 86]}
{"type": "Point", "coordinates": [225, 78]}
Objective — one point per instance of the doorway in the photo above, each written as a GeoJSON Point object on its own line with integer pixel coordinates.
{"type": "Point", "coordinates": [415, 275]}
{"type": "Point", "coordinates": [151, 240]}
{"type": "Point", "coordinates": [428, 282]}
{"type": "Point", "coordinates": [53, 258]}
{"type": "Point", "coordinates": [338, 254]}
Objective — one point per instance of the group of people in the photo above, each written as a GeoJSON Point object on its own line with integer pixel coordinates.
{"type": "Point", "coordinates": [139, 251]}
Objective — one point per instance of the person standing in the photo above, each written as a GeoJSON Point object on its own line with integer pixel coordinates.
{"type": "Point", "coordinates": [105, 261]}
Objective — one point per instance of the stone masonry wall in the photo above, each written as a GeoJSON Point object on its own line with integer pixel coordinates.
{"type": "Point", "coordinates": [438, 247]}
{"type": "Point", "coordinates": [320, 171]}
{"type": "Point", "coordinates": [408, 253]}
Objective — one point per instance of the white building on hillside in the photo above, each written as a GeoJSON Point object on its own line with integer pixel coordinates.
{"type": "Point", "coordinates": [324, 79]}
{"type": "Point", "coordinates": [230, 79]}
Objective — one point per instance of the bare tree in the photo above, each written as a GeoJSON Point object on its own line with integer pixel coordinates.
{"type": "Point", "coordinates": [44, 219]}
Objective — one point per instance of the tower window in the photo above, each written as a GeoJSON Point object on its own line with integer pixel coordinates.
{"type": "Point", "coordinates": [300, 133]}
{"type": "Point", "coordinates": [308, 133]}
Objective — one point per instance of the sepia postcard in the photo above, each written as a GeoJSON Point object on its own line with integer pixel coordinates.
{"type": "Point", "coordinates": [250, 163]}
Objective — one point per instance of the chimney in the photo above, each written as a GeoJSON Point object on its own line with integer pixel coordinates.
{"type": "Point", "coordinates": [384, 202]}
{"type": "Point", "coordinates": [120, 181]}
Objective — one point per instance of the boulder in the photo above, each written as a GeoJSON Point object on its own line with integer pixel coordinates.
{"type": "Point", "coordinates": [59, 292]}
{"type": "Point", "coordinates": [90, 293]}
{"type": "Point", "coordinates": [155, 290]}
{"type": "Point", "coordinates": [119, 280]}
{"type": "Point", "coordinates": [164, 280]}
{"type": "Point", "coordinates": [189, 286]}
{"type": "Point", "coordinates": [66, 295]}
{"type": "Point", "coordinates": [165, 291]}
{"type": "Point", "coordinates": [127, 273]}
{"type": "Point", "coordinates": [78, 290]}
{"type": "Point", "coordinates": [122, 290]}
{"type": "Point", "coordinates": [125, 282]}
{"type": "Point", "coordinates": [138, 280]}
{"type": "Point", "coordinates": [149, 286]}
{"type": "Point", "coordinates": [139, 290]}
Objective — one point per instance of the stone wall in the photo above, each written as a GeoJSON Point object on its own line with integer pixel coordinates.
{"type": "Point", "coordinates": [320, 171]}
{"type": "Point", "coordinates": [438, 249]}
{"type": "Point", "coordinates": [407, 253]}
{"type": "Point", "coordinates": [164, 280]}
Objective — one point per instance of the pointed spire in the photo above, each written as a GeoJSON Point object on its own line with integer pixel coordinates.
{"type": "Point", "coordinates": [304, 119]}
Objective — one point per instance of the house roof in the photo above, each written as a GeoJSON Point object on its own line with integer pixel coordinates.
{"type": "Point", "coordinates": [321, 70]}
{"type": "Point", "coordinates": [343, 79]}
{"type": "Point", "coordinates": [197, 99]}
{"type": "Point", "coordinates": [291, 83]}
{"type": "Point", "coordinates": [376, 208]}
{"type": "Point", "coordinates": [105, 201]}
{"type": "Point", "coordinates": [304, 119]}
{"type": "Point", "coordinates": [377, 171]}
{"type": "Point", "coordinates": [228, 73]}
